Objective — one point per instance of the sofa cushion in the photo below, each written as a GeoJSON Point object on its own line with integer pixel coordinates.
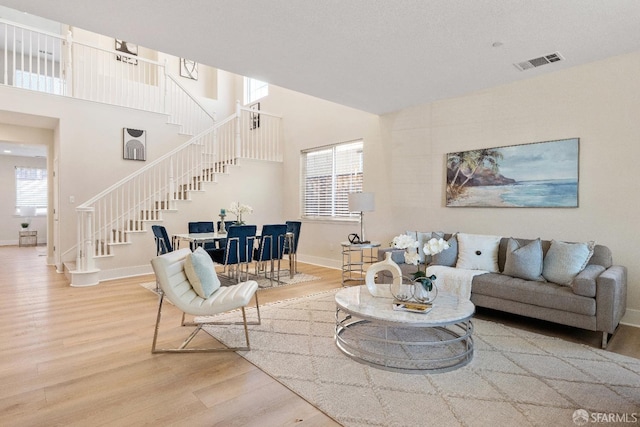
{"type": "Point", "coordinates": [478, 252]}
{"type": "Point", "coordinates": [564, 261]}
{"type": "Point", "coordinates": [201, 273]}
{"type": "Point", "coordinates": [448, 257]}
{"type": "Point", "coordinates": [541, 294]}
{"type": "Point", "coordinates": [524, 259]}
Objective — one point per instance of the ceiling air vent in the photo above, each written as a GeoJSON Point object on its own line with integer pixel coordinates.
{"type": "Point", "coordinates": [538, 62]}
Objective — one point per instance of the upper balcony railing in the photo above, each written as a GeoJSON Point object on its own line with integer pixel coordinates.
{"type": "Point", "coordinates": [42, 61]}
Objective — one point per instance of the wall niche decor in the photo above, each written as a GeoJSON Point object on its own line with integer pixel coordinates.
{"type": "Point", "coordinates": [135, 144]}
{"type": "Point", "coordinates": [128, 48]}
{"type": "Point", "coordinates": [535, 175]}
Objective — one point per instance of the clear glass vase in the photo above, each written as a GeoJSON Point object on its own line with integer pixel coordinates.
{"type": "Point", "coordinates": [424, 290]}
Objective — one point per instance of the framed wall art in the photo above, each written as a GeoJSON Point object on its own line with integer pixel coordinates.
{"type": "Point", "coordinates": [128, 48]}
{"type": "Point", "coordinates": [535, 175]}
{"type": "Point", "coordinates": [134, 143]}
{"type": "Point", "coordinates": [254, 118]}
{"type": "Point", "coordinates": [188, 68]}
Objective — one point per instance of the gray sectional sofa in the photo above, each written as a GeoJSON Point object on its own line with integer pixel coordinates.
{"type": "Point", "coordinates": [595, 299]}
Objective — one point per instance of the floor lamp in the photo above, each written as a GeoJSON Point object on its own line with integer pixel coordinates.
{"type": "Point", "coordinates": [361, 202]}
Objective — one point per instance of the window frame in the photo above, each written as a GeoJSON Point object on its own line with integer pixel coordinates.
{"type": "Point", "coordinates": [254, 92]}
{"type": "Point", "coordinates": [43, 196]}
{"type": "Point", "coordinates": [339, 199]}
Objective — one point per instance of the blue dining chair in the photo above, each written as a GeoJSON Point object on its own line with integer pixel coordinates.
{"type": "Point", "coordinates": [237, 251]}
{"type": "Point", "coordinates": [271, 248]}
{"type": "Point", "coordinates": [202, 227]}
{"type": "Point", "coordinates": [163, 244]}
{"type": "Point", "coordinates": [291, 246]}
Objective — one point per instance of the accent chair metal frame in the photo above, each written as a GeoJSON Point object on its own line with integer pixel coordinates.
{"type": "Point", "coordinates": [170, 274]}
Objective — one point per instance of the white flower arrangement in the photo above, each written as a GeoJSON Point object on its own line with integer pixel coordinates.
{"type": "Point", "coordinates": [410, 245]}
{"type": "Point", "coordinates": [435, 246]}
{"type": "Point", "coordinates": [238, 209]}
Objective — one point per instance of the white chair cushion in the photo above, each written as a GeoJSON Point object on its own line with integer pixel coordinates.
{"type": "Point", "coordinates": [201, 273]}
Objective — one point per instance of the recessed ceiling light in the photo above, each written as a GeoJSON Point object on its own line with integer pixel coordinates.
{"type": "Point", "coordinates": [7, 151]}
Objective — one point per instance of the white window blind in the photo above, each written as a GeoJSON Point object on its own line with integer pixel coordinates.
{"type": "Point", "coordinates": [31, 188]}
{"type": "Point", "coordinates": [329, 174]}
{"type": "Point", "coordinates": [254, 90]}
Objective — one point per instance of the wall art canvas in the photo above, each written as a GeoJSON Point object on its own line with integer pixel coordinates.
{"type": "Point", "coordinates": [536, 175]}
{"type": "Point", "coordinates": [254, 118]}
{"type": "Point", "coordinates": [188, 68]}
{"type": "Point", "coordinates": [128, 48]}
{"type": "Point", "coordinates": [135, 144]}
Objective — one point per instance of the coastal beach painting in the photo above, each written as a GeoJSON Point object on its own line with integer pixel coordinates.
{"type": "Point", "coordinates": [536, 175]}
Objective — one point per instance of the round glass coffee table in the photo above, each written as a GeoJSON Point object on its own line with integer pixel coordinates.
{"type": "Point", "coordinates": [370, 331]}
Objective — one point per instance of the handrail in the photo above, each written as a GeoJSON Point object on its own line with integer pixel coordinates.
{"type": "Point", "coordinates": [35, 30]}
{"type": "Point", "coordinates": [144, 169]}
{"type": "Point", "coordinates": [190, 96]}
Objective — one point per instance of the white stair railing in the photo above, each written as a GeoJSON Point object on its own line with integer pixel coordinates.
{"type": "Point", "coordinates": [37, 60]}
{"type": "Point", "coordinates": [106, 219]}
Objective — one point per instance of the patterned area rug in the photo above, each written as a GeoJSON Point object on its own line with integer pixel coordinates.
{"type": "Point", "coordinates": [263, 283]}
{"type": "Point", "coordinates": [516, 378]}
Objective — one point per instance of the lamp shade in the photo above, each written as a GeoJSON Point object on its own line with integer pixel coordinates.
{"type": "Point", "coordinates": [361, 202]}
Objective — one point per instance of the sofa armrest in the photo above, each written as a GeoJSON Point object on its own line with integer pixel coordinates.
{"type": "Point", "coordinates": [585, 282]}
{"type": "Point", "coordinates": [611, 298]}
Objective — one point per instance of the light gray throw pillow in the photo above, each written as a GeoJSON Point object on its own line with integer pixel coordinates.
{"type": "Point", "coordinates": [448, 257]}
{"type": "Point", "coordinates": [524, 260]}
{"type": "Point", "coordinates": [565, 260]}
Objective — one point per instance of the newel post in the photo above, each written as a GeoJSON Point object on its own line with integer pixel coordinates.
{"type": "Point", "coordinates": [238, 148]}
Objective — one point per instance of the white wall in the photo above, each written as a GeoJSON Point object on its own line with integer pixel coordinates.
{"type": "Point", "coordinates": [311, 122]}
{"type": "Point", "coordinates": [597, 103]}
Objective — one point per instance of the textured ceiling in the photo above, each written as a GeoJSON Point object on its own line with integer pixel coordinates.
{"type": "Point", "coordinates": [374, 55]}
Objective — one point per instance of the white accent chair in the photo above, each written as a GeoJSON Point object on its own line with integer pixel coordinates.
{"type": "Point", "coordinates": [174, 285]}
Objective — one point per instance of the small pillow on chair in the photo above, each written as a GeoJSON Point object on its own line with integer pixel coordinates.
{"type": "Point", "coordinates": [199, 268]}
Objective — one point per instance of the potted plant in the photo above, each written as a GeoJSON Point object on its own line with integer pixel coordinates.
{"type": "Point", "coordinates": [24, 225]}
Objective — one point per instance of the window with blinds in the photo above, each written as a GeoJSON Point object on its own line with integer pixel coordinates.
{"type": "Point", "coordinates": [31, 189]}
{"type": "Point", "coordinates": [329, 174]}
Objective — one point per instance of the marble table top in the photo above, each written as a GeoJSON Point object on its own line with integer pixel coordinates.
{"type": "Point", "coordinates": [447, 309]}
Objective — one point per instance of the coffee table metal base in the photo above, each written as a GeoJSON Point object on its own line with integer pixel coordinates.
{"type": "Point", "coordinates": [394, 347]}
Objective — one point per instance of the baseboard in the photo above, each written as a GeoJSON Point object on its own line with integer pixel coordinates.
{"type": "Point", "coordinates": [121, 273]}
{"type": "Point", "coordinates": [322, 262]}
{"type": "Point", "coordinates": [631, 318]}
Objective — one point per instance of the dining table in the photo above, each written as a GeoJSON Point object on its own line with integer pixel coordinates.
{"type": "Point", "coordinates": [199, 239]}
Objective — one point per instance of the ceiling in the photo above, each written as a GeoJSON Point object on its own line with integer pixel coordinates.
{"type": "Point", "coordinates": [374, 55]}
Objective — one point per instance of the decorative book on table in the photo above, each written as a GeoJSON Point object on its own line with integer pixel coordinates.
{"type": "Point", "coordinates": [412, 306]}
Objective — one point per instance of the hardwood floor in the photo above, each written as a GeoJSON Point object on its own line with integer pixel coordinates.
{"type": "Point", "coordinates": [81, 356]}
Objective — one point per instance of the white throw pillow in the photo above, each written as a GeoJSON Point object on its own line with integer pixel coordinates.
{"type": "Point", "coordinates": [478, 252]}
{"type": "Point", "coordinates": [201, 272]}
{"type": "Point", "coordinates": [564, 261]}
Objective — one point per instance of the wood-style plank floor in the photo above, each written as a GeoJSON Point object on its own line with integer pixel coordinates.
{"type": "Point", "coordinates": [81, 356]}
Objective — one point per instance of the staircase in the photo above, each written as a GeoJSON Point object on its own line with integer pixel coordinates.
{"type": "Point", "coordinates": [109, 219]}
{"type": "Point", "coordinates": [71, 68]}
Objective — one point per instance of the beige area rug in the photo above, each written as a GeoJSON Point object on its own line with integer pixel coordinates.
{"type": "Point", "coordinates": [516, 378]}
{"type": "Point", "coordinates": [263, 283]}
